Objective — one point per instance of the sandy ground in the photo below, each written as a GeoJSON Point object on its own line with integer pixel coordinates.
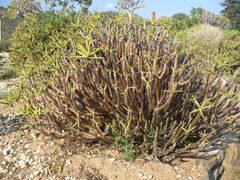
{"type": "Point", "coordinates": [27, 154]}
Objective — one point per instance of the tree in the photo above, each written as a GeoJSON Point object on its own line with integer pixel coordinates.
{"type": "Point", "coordinates": [215, 20]}
{"type": "Point", "coordinates": [232, 11]}
{"type": "Point", "coordinates": [130, 6]}
{"type": "Point", "coordinates": [196, 14]}
{"type": "Point", "coordinates": [24, 7]}
{"type": "Point", "coordinates": [180, 16]}
{"type": "Point", "coordinates": [71, 4]}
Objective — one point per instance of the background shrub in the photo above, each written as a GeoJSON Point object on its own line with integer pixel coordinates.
{"type": "Point", "coordinates": [215, 49]}
{"type": "Point", "coordinates": [206, 34]}
{"type": "Point", "coordinates": [37, 44]}
{"type": "Point", "coordinates": [176, 23]}
{"type": "Point", "coordinates": [103, 80]}
{"type": "Point", "coordinates": [8, 27]}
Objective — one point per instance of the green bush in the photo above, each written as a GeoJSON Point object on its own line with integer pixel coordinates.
{"type": "Point", "coordinates": [213, 47]}
{"type": "Point", "coordinates": [103, 80]}
{"type": "Point", "coordinates": [230, 49]}
{"type": "Point", "coordinates": [175, 25]}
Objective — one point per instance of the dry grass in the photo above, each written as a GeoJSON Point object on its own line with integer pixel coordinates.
{"type": "Point", "coordinates": [210, 35]}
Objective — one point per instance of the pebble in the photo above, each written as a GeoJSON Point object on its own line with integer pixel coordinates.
{"type": "Point", "coordinates": [3, 170]}
{"type": "Point", "coordinates": [140, 174]}
{"type": "Point", "coordinates": [150, 177]}
{"type": "Point", "coordinates": [21, 163]}
{"type": "Point", "coordinates": [35, 173]}
{"type": "Point", "coordinates": [178, 176]}
{"type": "Point", "coordinates": [5, 152]}
{"type": "Point", "coordinates": [10, 124]}
{"type": "Point", "coordinates": [111, 159]}
{"type": "Point", "coordinates": [68, 162]}
{"type": "Point", "coordinates": [26, 146]}
{"type": "Point", "coordinates": [31, 176]}
{"type": "Point", "coordinates": [51, 143]}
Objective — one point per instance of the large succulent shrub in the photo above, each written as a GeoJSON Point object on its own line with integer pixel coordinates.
{"type": "Point", "coordinates": [112, 81]}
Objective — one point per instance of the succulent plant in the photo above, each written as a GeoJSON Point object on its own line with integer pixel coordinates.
{"type": "Point", "coordinates": [118, 80]}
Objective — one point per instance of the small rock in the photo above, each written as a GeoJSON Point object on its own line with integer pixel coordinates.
{"type": "Point", "coordinates": [13, 169]}
{"type": "Point", "coordinates": [190, 178]}
{"type": "Point", "coordinates": [140, 174]}
{"type": "Point", "coordinates": [61, 141]}
{"type": "Point", "coordinates": [68, 162]}
{"type": "Point", "coordinates": [111, 159]}
{"type": "Point", "coordinates": [51, 143]}
{"type": "Point", "coordinates": [69, 153]}
{"type": "Point", "coordinates": [31, 176]}
{"type": "Point", "coordinates": [6, 152]}
{"type": "Point", "coordinates": [26, 146]}
{"type": "Point", "coordinates": [35, 173]}
{"type": "Point", "coordinates": [150, 177]}
{"type": "Point", "coordinates": [9, 158]}
{"type": "Point", "coordinates": [21, 163]}
{"type": "Point", "coordinates": [3, 170]}
{"type": "Point", "coordinates": [178, 176]}
{"type": "Point", "coordinates": [4, 163]}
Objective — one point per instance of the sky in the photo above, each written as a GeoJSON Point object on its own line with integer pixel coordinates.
{"type": "Point", "coordinates": [161, 7]}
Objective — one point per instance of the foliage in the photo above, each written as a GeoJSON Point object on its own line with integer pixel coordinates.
{"type": "Point", "coordinates": [230, 49]}
{"type": "Point", "coordinates": [196, 14]}
{"type": "Point", "coordinates": [180, 16]}
{"type": "Point", "coordinates": [201, 16]}
{"type": "Point", "coordinates": [174, 25]}
{"type": "Point", "coordinates": [8, 26]}
{"type": "Point", "coordinates": [110, 14]}
{"type": "Point", "coordinates": [128, 148]}
{"type": "Point", "coordinates": [70, 4]}
{"type": "Point", "coordinates": [211, 35]}
{"type": "Point", "coordinates": [24, 7]}
{"type": "Point", "coordinates": [33, 40]}
{"type": "Point", "coordinates": [214, 20]}
{"type": "Point", "coordinates": [130, 6]}
{"type": "Point", "coordinates": [232, 11]}
{"type": "Point", "coordinates": [212, 43]}
{"type": "Point", "coordinates": [21, 8]}
{"type": "Point", "coordinates": [101, 79]}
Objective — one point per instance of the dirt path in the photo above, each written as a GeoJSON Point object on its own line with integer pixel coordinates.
{"type": "Point", "coordinates": [27, 154]}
